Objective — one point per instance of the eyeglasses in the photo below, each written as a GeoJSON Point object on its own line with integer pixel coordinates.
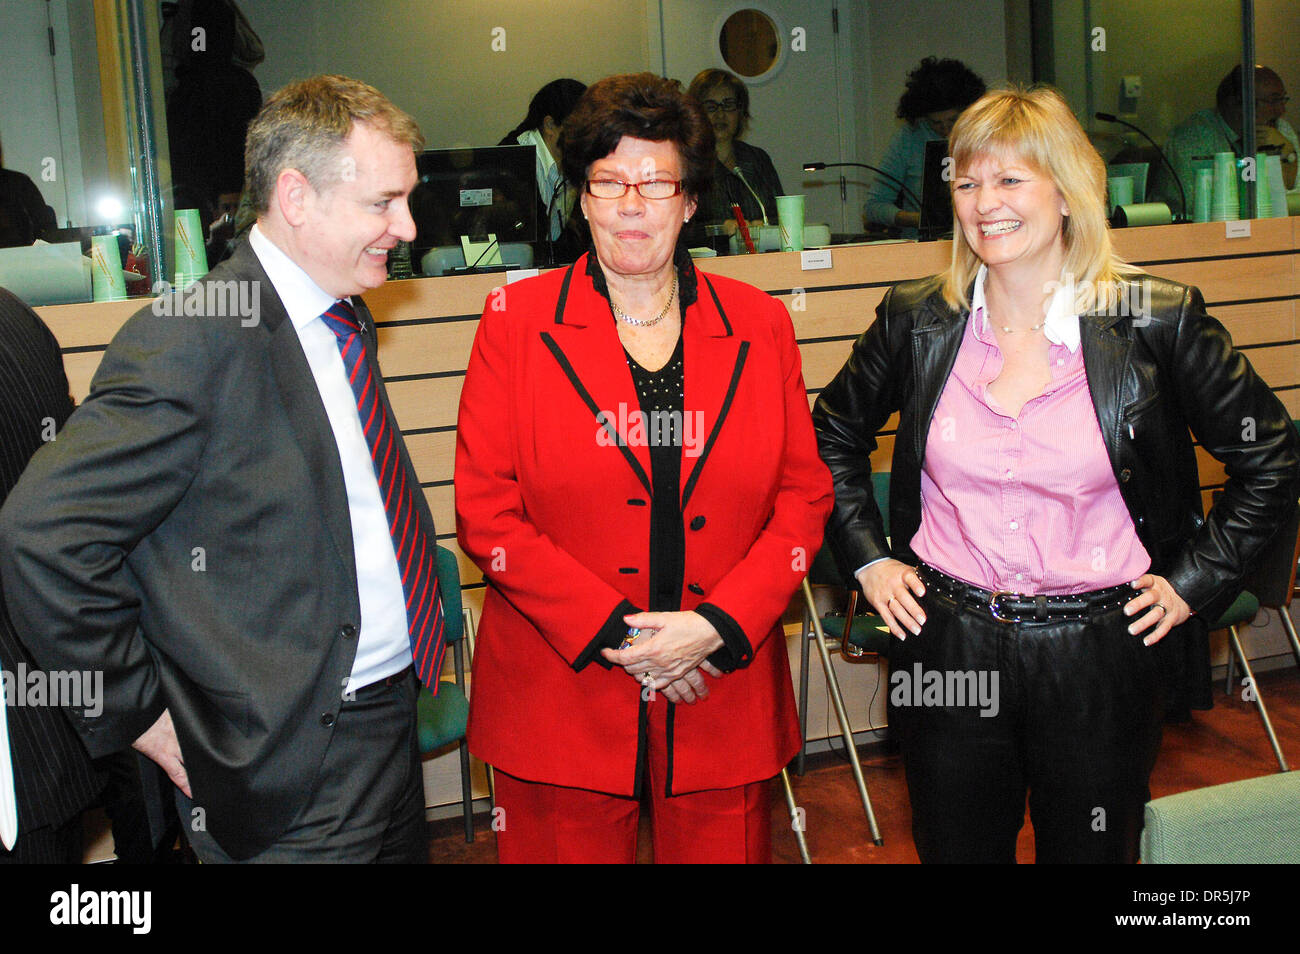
{"type": "Point", "coordinates": [712, 106]}
{"type": "Point", "coordinates": [651, 189]}
{"type": "Point", "coordinates": [1273, 101]}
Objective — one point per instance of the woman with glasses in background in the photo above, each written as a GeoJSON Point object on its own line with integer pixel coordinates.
{"type": "Point", "coordinates": [742, 174]}
{"type": "Point", "coordinates": [637, 478]}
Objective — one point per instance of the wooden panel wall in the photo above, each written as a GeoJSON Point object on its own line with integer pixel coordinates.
{"type": "Point", "coordinates": [426, 327]}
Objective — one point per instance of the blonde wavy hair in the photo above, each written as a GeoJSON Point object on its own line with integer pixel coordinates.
{"type": "Point", "coordinates": [1036, 127]}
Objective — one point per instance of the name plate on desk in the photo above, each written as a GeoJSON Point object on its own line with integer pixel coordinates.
{"type": "Point", "coordinates": [815, 259]}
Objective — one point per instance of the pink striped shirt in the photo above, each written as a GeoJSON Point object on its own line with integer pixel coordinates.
{"type": "Point", "coordinates": [1029, 503]}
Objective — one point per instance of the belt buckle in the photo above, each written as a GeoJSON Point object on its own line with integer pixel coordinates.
{"type": "Point", "coordinates": [993, 605]}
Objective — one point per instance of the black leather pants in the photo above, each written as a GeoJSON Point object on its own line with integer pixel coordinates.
{"type": "Point", "coordinates": [1068, 712]}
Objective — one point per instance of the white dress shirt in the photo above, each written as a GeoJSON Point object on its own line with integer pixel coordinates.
{"type": "Point", "coordinates": [384, 642]}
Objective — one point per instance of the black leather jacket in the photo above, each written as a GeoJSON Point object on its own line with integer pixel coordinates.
{"type": "Point", "coordinates": [1151, 378]}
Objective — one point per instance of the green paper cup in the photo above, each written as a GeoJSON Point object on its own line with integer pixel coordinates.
{"type": "Point", "coordinates": [1121, 191]}
{"type": "Point", "coordinates": [106, 276]}
{"type": "Point", "coordinates": [1203, 196]}
{"type": "Point", "coordinates": [789, 212]}
{"type": "Point", "coordinates": [191, 255]}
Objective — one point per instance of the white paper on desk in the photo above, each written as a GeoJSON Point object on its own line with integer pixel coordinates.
{"type": "Point", "coordinates": [46, 274]}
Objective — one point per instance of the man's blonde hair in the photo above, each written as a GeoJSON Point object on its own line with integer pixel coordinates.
{"type": "Point", "coordinates": [1036, 127]}
{"type": "Point", "coordinates": [304, 126]}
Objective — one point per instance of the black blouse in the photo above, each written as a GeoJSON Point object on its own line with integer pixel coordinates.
{"type": "Point", "coordinates": [661, 395]}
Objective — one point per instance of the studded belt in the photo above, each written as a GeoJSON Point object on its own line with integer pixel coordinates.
{"type": "Point", "coordinates": [1008, 607]}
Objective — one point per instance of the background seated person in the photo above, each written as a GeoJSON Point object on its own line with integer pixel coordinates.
{"type": "Point", "coordinates": [743, 174]}
{"type": "Point", "coordinates": [936, 93]}
{"type": "Point", "coordinates": [1208, 131]}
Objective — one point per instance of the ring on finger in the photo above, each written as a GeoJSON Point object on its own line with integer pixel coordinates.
{"type": "Point", "coordinates": [1164, 610]}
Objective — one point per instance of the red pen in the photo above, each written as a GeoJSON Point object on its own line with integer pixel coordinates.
{"type": "Point", "coordinates": [744, 228]}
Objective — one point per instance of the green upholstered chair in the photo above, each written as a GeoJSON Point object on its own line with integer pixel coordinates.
{"type": "Point", "coordinates": [857, 635]}
{"type": "Point", "coordinates": [1250, 822]}
{"type": "Point", "coordinates": [1271, 584]}
{"type": "Point", "coordinates": [442, 718]}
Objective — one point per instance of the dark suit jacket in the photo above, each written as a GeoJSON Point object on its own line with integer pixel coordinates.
{"type": "Point", "coordinates": [189, 533]}
{"type": "Point", "coordinates": [53, 779]}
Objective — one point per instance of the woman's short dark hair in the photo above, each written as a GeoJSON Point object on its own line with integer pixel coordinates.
{"type": "Point", "coordinates": [556, 99]}
{"type": "Point", "coordinates": [643, 106]}
{"type": "Point", "coordinates": [706, 80]}
{"type": "Point", "coordinates": [936, 86]}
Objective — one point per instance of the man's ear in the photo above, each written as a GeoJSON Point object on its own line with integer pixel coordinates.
{"type": "Point", "coordinates": [293, 193]}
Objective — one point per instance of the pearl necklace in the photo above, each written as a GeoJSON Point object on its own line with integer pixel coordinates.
{"type": "Point", "coordinates": [627, 319]}
{"type": "Point", "coordinates": [1012, 331]}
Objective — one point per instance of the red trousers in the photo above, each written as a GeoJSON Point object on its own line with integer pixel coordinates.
{"type": "Point", "coordinates": [552, 824]}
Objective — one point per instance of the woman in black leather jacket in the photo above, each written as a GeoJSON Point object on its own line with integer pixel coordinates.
{"type": "Point", "coordinates": [1046, 516]}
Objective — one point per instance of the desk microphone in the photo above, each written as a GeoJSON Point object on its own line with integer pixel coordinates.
{"type": "Point", "coordinates": [1112, 118]}
{"type": "Point", "coordinates": [741, 176]}
{"type": "Point", "coordinates": [818, 166]}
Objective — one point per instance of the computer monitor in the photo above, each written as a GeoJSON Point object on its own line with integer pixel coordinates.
{"type": "Point", "coordinates": [936, 193]}
{"type": "Point", "coordinates": [473, 193]}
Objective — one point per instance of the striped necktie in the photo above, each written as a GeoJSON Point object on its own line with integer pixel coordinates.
{"type": "Point", "coordinates": [416, 556]}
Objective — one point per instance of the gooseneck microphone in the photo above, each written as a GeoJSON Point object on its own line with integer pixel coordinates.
{"type": "Point", "coordinates": [1112, 118]}
{"type": "Point", "coordinates": [818, 166]}
{"type": "Point", "coordinates": [735, 171]}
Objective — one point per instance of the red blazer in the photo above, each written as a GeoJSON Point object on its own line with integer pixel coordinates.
{"type": "Point", "coordinates": [557, 515]}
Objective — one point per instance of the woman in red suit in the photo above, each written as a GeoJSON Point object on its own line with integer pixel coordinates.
{"type": "Point", "coordinates": [637, 477]}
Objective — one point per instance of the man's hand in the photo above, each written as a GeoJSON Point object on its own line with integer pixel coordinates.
{"type": "Point", "coordinates": [159, 743]}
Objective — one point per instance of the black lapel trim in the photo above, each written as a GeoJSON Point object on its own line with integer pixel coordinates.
{"type": "Point", "coordinates": [564, 296]}
{"type": "Point", "coordinates": [596, 412]}
{"type": "Point", "coordinates": [722, 416]}
{"type": "Point", "coordinates": [722, 312]}
{"type": "Point", "coordinates": [642, 745]}
{"type": "Point", "coordinates": [668, 776]}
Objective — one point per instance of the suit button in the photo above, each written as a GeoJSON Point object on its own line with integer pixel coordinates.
{"type": "Point", "coordinates": [1124, 475]}
{"type": "Point", "coordinates": [696, 589]}
{"type": "Point", "coordinates": [697, 522]}
{"type": "Point", "coordinates": [327, 720]}
{"type": "Point", "coordinates": [347, 631]}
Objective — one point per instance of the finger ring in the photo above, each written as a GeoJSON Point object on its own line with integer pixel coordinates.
{"type": "Point", "coordinates": [1164, 610]}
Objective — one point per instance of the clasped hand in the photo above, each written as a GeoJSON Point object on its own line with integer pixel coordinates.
{"type": "Point", "coordinates": [672, 658]}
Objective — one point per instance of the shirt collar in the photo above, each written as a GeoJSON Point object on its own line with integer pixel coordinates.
{"type": "Point", "coordinates": [303, 299]}
{"type": "Point", "coordinates": [1061, 326]}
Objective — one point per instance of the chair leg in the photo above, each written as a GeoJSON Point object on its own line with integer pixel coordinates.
{"type": "Point", "coordinates": [842, 716]}
{"type": "Point", "coordinates": [466, 794]}
{"type": "Point", "coordinates": [796, 820]}
{"type": "Point", "coordinates": [1289, 625]}
{"type": "Point", "coordinates": [1259, 699]}
{"type": "Point", "coordinates": [1230, 672]}
{"type": "Point", "coordinates": [804, 636]}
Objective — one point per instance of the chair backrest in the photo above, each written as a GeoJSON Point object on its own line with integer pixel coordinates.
{"type": "Point", "coordinates": [1273, 579]}
{"type": "Point", "coordinates": [449, 587]}
{"type": "Point", "coordinates": [824, 571]}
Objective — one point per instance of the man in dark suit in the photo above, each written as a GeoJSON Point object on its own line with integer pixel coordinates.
{"type": "Point", "coordinates": [52, 777]}
{"type": "Point", "coordinates": [230, 526]}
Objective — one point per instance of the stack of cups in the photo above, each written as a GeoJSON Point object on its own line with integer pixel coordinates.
{"type": "Point", "coordinates": [1204, 195]}
{"type": "Point", "coordinates": [106, 278]}
{"type": "Point", "coordinates": [1263, 201]}
{"type": "Point", "coordinates": [1275, 186]}
{"type": "Point", "coordinates": [1224, 205]}
{"type": "Point", "coordinates": [191, 255]}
